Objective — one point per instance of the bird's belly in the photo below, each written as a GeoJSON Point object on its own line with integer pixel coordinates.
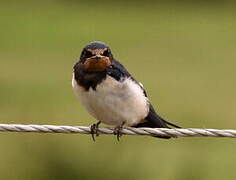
{"type": "Point", "coordinates": [115, 102]}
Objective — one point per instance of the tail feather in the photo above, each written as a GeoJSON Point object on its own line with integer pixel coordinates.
{"type": "Point", "coordinates": [159, 118]}
{"type": "Point", "coordinates": [153, 120]}
{"type": "Point", "coordinates": [171, 124]}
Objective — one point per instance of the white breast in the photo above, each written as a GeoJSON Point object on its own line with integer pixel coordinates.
{"type": "Point", "coordinates": [114, 102]}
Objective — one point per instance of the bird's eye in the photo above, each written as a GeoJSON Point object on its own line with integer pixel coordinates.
{"type": "Point", "coordinates": [87, 54]}
{"type": "Point", "coordinates": [106, 53]}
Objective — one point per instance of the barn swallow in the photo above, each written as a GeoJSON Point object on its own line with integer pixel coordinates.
{"type": "Point", "coordinates": [111, 94]}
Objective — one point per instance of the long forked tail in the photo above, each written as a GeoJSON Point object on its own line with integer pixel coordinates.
{"type": "Point", "coordinates": [159, 118]}
{"type": "Point", "coordinates": [153, 120]}
{"type": "Point", "coordinates": [171, 124]}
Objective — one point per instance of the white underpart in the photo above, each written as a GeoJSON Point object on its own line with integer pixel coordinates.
{"type": "Point", "coordinates": [114, 102]}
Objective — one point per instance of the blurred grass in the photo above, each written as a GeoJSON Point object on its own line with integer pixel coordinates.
{"type": "Point", "coordinates": [183, 53]}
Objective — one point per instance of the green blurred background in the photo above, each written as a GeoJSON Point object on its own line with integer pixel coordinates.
{"type": "Point", "coordinates": [183, 52]}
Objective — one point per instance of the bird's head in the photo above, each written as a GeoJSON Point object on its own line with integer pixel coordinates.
{"type": "Point", "coordinates": [96, 57]}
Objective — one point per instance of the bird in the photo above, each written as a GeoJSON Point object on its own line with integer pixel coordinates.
{"type": "Point", "coordinates": [111, 94]}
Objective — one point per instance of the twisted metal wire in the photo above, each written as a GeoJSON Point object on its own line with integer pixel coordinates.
{"type": "Point", "coordinates": [189, 132]}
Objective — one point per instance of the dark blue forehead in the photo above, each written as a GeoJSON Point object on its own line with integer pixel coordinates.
{"type": "Point", "coordinates": [96, 45]}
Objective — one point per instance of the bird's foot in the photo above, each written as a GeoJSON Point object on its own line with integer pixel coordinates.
{"type": "Point", "coordinates": [94, 130]}
{"type": "Point", "coordinates": [118, 131]}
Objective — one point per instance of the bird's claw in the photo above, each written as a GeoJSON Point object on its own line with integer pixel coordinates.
{"type": "Point", "coordinates": [94, 130]}
{"type": "Point", "coordinates": [118, 131]}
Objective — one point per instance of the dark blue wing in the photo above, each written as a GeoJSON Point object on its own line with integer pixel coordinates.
{"type": "Point", "coordinates": [119, 72]}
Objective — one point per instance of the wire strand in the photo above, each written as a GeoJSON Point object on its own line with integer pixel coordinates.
{"type": "Point", "coordinates": [189, 132]}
